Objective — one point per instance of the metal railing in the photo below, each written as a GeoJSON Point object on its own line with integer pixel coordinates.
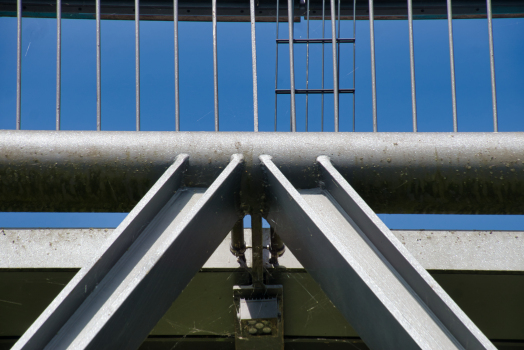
{"type": "Point", "coordinates": [350, 11]}
{"type": "Point", "coordinates": [335, 41]}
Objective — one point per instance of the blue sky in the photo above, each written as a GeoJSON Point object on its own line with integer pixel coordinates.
{"type": "Point", "coordinates": [235, 86]}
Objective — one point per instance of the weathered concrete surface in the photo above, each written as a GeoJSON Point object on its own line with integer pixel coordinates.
{"type": "Point", "coordinates": [393, 172]}
{"type": "Point", "coordinates": [435, 250]}
{"type": "Point", "coordinates": [466, 250]}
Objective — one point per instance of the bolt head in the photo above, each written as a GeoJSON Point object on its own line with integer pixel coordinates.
{"type": "Point", "coordinates": [259, 325]}
{"type": "Point", "coordinates": [252, 331]}
{"type": "Point", "coordinates": [266, 330]}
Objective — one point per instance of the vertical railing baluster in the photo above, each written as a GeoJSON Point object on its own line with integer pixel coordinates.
{"type": "Point", "coordinates": [276, 67]}
{"type": "Point", "coordinates": [18, 63]}
{"type": "Point", "coordinates": [452, 66]}
{"type": "Point", "coordinates": [338, 50]}
{"type": "Point", "coordinates": [98, 70]}
{"type": "Point", "coordinates": [254, 63]}
{"type": "Point", "coordinates": [373, 71]}
{"type": "Point", "coordinates": [323, 36]}
{"type": "Point", "coordinates": [354, 57]}
{"type": "Point", "coordinates": [177, 94]}
{"type": "Point", "coordinates": [335, 69]}
{"type": "Point", "coordinates": [307, 65]}
{"type": "Point", "coordinates": [492, 67]}
{"type": "Point", "coordinates": [58, 61]}
{"type": "Point", "coordinates": [215, 62]}
{"type": "Point", "coordinates": [412, 65]}
{"type": "Point", "coordinates": [137, 62]}
{"type": "Point", "coordinates": [290, 8]}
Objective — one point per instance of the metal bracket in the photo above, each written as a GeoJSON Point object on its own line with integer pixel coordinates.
{"type": "Point", "coordinates": [386, 295]}
{"type": "Point", "coordinates": [260, 322]}
{"type": "Point", "coordinates": [277, 248]}
{"type": "Point", "coordinates": [115, 302]}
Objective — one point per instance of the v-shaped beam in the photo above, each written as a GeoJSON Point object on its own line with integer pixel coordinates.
{"type": "Point", "coordinates": [149, 259]}
{"type": "Point", "coordinates": [386, 295]}
{"type": "Point", "coordinates": [391, 301]}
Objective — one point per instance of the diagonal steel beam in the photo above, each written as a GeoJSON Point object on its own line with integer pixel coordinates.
{"type": "Point", "coordinates": [434, 297]}
{"type": "Point", "coordinates": [374, 282]}
{"type": "Point", "coordinates": [150, 258]}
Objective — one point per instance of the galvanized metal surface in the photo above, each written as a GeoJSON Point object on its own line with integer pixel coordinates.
{"type": "Point", "coordinates": [393, 172]}
{"type": "Point", "coordinates": [409, 272]}
{"type": "Point", "coordinates": [377, 285]}
{"type": "Point", "coordinates": [257, 249]}
{"type": "Point", "coordinates": [277, 248]}
{"type": "Point", "coordinates": [237, 244]}
{"type": "Point", "coordinates": [434, 250]}
{"type": "Point", "coordinates": [76, 292]}
{"type": "Point", "coordinates": [137, 288]}
{"type": "Point", "coordinates": [260, 317]}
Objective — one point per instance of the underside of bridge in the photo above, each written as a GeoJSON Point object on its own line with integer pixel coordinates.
{"type": "Point", "coordinates": [182, 272]}
{"type": "Point", "coordinates": [317, 269]}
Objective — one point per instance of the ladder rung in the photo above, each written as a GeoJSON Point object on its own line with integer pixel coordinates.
{"type": "Point", "coordinates": [314, 91]}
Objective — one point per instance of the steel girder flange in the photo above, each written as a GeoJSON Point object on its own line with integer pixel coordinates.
{"type": "Point", "coordinates": [386, 295]}
{"type": "Point", "coordinates": [115, 302]}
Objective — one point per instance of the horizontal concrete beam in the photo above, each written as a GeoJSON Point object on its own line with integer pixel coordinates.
{"type": "Point", "coordinates": [393, 172]}
{"type": "Point", "coordinates": [435, 250]}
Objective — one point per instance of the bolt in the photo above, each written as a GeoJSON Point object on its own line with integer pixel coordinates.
{"type": "Point", "coordinates": [259, 325]}
{"type": "Point", "coordinates": [251, 322]}
{"type": "Point", "coordinates": [252, 331]}
{"type": "Point", "coordinates": [266, 330]}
